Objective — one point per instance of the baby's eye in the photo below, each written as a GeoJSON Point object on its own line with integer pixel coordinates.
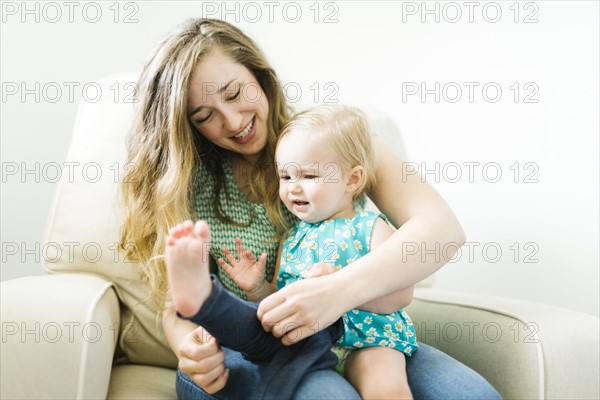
{"type": "Point", "coordinates": [285, 178]}
{"type": "Point", "coordinates": [310, 177]}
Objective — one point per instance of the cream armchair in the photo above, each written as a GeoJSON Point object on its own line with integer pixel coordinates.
{"type": "Point", "coordinates": [85, 330]}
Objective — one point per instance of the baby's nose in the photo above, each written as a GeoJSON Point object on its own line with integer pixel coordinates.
{"type": "Point", "coordinates": [294, 187]}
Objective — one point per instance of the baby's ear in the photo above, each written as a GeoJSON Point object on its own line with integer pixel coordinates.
{"type": "Point", "coordinates": [356, 178]}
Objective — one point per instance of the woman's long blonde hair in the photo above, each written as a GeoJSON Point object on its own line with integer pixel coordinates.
{"type": "Point", "coordinates": [166, 150]}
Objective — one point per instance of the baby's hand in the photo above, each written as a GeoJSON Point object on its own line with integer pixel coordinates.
{"type": "Point", "coordinates": [247, 272]}
{"type": "Point", "coordinates": [320, 269]}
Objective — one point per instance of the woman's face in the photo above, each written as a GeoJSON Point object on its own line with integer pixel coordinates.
{"type": "Point", "coordinates": [227, 105]}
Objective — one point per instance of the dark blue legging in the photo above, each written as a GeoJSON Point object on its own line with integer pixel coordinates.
{"type": "Point", "coordinates": [233, 322]}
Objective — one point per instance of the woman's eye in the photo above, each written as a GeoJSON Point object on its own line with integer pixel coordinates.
{"type": "Point", "coordinates": [234, 96]}
{"type": "Point", "coordinates": [203, 119]}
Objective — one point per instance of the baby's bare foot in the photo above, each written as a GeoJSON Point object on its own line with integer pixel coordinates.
{"type": "Point", "coordinates": [187, 266]}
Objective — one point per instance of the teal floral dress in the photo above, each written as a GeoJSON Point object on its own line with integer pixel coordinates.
{"type": "Point", "coordinates": [340, 242]}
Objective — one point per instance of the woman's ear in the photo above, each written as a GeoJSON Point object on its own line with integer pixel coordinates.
{"type": "Point", "coordinates": [355, 180]}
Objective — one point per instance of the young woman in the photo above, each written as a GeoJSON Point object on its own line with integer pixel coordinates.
{"type": "Point", "coordinates": [211, 109]}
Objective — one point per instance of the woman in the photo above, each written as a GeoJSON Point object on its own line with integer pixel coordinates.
{"type": "Point", "coordinates": [211, 109]}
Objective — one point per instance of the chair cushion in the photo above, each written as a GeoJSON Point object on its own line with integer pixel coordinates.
{"type": "Point", "coordinates": [141, 382]}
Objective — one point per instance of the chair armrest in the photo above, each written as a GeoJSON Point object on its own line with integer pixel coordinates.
{"type": "Point", "coordinates": [58, 336]}
{"type": "Point", "coordinates": [524, 349]}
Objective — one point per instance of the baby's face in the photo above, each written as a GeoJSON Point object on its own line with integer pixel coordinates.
{"type": "Point", "coordinates": [312, 183]}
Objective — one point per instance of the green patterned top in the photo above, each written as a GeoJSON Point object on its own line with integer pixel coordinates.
{"type": "Point", "coordinates": [258, 234]}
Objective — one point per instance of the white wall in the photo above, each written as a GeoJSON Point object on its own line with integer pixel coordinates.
{"type": "Point", "coordinates": [543, 220]}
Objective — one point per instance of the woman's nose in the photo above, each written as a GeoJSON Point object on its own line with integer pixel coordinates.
{"type": "Point", "coordinates": [232, 120]}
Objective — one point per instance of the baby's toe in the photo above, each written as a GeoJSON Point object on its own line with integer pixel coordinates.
{"type": "Point", "coordinates": [202, 229]}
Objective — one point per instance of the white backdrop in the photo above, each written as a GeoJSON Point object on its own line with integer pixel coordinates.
{"type": "Point", "coordinates": [497, 103]}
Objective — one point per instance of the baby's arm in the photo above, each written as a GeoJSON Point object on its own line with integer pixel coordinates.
{"type": "Point", "coordinates": [395, 300]}
{"type": "Point", "coordinates": [248, 272]}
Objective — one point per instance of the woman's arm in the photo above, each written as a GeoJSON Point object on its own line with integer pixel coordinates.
{"type": "Point", "coordinates": [175, 328]}
{"type": "Point", "coordinates": [200, 356]}
{"type": "Point", "coordinates": [414, 252]}
{"type": "Point", "coordinates": [395, 300]}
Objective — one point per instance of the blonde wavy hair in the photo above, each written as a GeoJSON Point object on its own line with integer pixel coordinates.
{"type": "Point", "coordinates": [166, 150]}
{"type": "Point", "coordinates": [347, 132]}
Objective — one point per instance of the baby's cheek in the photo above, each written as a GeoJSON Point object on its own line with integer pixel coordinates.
{"type": "Point", "coordinates": [282, 192]}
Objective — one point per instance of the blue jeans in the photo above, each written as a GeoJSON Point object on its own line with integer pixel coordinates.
{"type": "Point", "coordinates": [431, 375]}
{"type": "Point", "coordinates": [244, 376]}
{"type": "Point", "coordinates": [233, 322]}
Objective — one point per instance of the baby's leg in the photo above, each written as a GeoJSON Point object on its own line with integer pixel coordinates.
{"type": "Point", "coordinates": [187, 266]}
{"type": "Point", "coordinates": [232, 321]}
{"type": "Point", "coordinates": [378, 373]}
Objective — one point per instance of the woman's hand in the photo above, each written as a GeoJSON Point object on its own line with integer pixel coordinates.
{"type": "Point", "coordinates": [303, 308]}
{"type": "Point", "coordinates": [201, 358]}
{"type": "Point", "coordinates": [199, 354]}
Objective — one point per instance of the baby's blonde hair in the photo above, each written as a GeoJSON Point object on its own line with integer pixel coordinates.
{"type": "Point", "coordinates": [346, 130]}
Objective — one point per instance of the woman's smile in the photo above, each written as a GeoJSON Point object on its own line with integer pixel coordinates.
{"type": "Point", "coordinates": [247, 134]}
